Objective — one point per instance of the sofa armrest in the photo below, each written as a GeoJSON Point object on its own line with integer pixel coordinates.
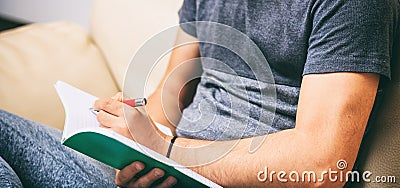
{"type": "Point", "coordinates": [34, 57]}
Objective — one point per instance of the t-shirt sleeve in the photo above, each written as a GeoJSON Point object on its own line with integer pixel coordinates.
{"type": "Point", "coordinates": [187, 17]}
{"type": "Point", "coordinates": [352, 36]}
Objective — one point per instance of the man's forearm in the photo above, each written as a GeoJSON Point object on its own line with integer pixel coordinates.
{"type": "Point", "coordinates": [284, 151]}
{"type": "Point", "coordinates": [329, 127]}
{"type": "Point", "coordinates": [176, 89]}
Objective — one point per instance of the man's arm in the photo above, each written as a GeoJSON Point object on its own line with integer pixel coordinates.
{"type": "Point", "coordinates": [332, 114]}
{"type": "Point", "coordinates": [175, 89]}
{"type": "Point", "coordinates": [333, 111]}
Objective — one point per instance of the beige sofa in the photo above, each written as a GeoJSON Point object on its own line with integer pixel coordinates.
{"type": "Point", "coordinates": [34, 57]}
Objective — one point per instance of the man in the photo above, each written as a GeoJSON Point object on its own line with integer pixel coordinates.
{"type": "Point", "coordinates": [328, 59]}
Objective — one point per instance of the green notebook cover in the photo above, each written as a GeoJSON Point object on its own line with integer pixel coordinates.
{"type": "Point", "coordinates": [118, 155]}
{"type": "Point", "coordinates": [83, 134]}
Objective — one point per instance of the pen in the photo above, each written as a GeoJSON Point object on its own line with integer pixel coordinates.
{"type": "Point", "coordinates": [131, 102]}
{"type": "Point", "coordinates": [136, 102]}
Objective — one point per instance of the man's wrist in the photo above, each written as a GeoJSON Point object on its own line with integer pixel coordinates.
{"type": "Point", "coordinates": [160, 141]}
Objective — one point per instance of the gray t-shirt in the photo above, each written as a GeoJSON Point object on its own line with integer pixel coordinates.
{"type": "Point", "coordinates": [297, 37]}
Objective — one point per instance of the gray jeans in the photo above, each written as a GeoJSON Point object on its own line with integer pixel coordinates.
{"type": "Point", "coordinates": [31, 155]}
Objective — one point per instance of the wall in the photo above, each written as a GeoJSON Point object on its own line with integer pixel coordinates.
{"type": "Point", "coordinates": [77, 11]}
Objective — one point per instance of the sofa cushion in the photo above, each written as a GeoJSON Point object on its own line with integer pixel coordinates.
{"type": "Point", "coordinates": [120, 27]}
{"type": "Point", "coordinates": [381, 153]}
{"type": "Point", "coordinates": [34, 57]}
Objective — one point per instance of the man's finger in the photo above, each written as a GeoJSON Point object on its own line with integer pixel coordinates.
{"type": "Point", "coordinates": [108, 120]}
{"type": "Point", "coordinates": [124, 176]}
{"type": "Point", "coordinates": [149, 178]}
{"type": "Point", "coordinates": [169, 182]}
{"type": "Point", "coordinates": [117, 96]}
{"type": "Point", "coordinates": [109, 105]}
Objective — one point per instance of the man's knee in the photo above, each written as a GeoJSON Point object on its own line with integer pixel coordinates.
{"type": "Point", "coordinates": [8, 178]}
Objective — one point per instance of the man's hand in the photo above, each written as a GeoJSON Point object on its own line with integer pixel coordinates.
{"type": "Point", "coordinates": [114, 114]}
{"type": "Point", "coordinates": [111, 114]}
{"type": "Point", "coordinates": [126, 177]}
